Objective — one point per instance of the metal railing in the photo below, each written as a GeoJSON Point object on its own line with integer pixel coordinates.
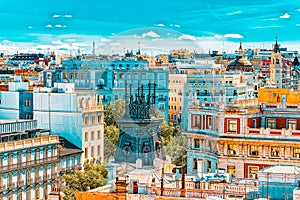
{"type": "Point", "coordinates": [27, 164]}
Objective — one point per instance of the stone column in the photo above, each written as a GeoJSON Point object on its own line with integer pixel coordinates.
{"type": "Point", "coordinates": [282, 152]}
{"type": "Point", "coordinates": [225, 149]}
{"type": "Point", "coordinates": [287, 153]}
{"type": "Point", "coordinates": [267, 151]}
{"type": "Point", "coordinates": [260, 150]}
{"type": "Point", "coordinates": [240, 147]}
{"type": "Point", "coordinates": [245, 150]}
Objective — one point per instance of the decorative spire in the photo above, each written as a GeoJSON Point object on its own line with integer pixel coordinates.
{"type": "Point", "coordinates": [276, 47]}
{"type": "Point", "coordinates": [240, 49]}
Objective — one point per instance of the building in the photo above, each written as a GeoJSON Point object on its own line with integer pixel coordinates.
{"type": "Point", "coordinates": [279, 181]}
{"type": "Point", "coordinates": [29, 160]}
{"type": "Point", "coordinates": [78, 117]}
{"type": "Point", "coordinates": [16, 102]}
{"type": "Point", "coordinates": [107, 78]}
{"type": "Point", "coordinates": [176, 97]}
{"type": "Point", "coordinates": [246, 136]}
{"type": "Point", "coordinates": [280, 69]}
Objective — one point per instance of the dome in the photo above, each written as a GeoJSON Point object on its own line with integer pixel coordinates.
{"type": "Point", "coordinates": [240, 64]}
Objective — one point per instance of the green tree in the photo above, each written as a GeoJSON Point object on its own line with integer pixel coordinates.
{"type": "Point", "coordinates": [111, 136]}
{"type": "Point", "coordinates": [93, 176]}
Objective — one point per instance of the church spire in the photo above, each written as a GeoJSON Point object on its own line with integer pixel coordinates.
{"type": "Point", "coordinates": [276, 47]}
{"type": "Point", "coordinates": [240, 49]}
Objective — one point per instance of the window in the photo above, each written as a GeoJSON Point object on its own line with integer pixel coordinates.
{"type": "Point", "coordinates": [195, 164]}
{"type": "Point", "coordinates": [232, 125]}
{"type": "Point", "coordinates": [252, 171]}
{"type": "Point", "coordinates": [99, 119]}
{"type": "Point", "coordinates": [275, 151]}
{"type": "Point", "coordinates": [196, 143]}
{"type": "Point", "coordinates": [92, 151]}
{"type": "Point", "coordinates": [197, 121]}
{"type": "Point", "coordinates": [92, 135]}
{"type": "Point", "coordinates": [254, 123]}
{"type": "Point", "coordinates": [209, 123]}
{"type": "Point", "coordinates": [253, 150]}
{"type": "Point", "coordinates": [292, 124]}
{"type": "Point", "coordinates": [93, 120]}
{"type": "Point", "coordinates": [271, 123]}
{"type": "Point", "coordinates": [209, 166]}
{"type": "Point", "coordinates": [231, 170]}
{"type": "Point", "coordinates": [296, 152]}
{"type": "Point", "coordinates": [86, 153]}
{"type": "Point", "coordinates": [98, 150]}
{"type": "Point", "coordinates": [86, 136]}
{"type": "Point", "coordinates": [98, 135]}
{"type": "Point", "coordinates": [86, 121]}
{"type": "Point", "coordinates": [231, 149]}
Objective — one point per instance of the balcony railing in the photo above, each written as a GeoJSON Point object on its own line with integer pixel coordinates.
{"type": "Point", "coordinates": [21, 183]}
{"type": "Point", "coordinates": [12, 185]}
{"type": "Point", "coordinates": [27, 164]}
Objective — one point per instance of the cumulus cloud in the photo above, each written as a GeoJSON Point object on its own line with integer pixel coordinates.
{"type": "Point", "coordinates": [68, 16]}
{"type": "Point", "coordinates": [44, 47]}
{"type": "Point", "coordinates": [30, 27]}
{"type": "Point", "coordinates": [56, 16]}
{"type": "Point", "coordinates": [177, 26]}
{"type": "Point", "coordinates": [58, 26]}
{"type": "Point", "coordinates": [160, 25]}
{"type": "Point", "coordinates": [297, 24]}
{"type": "Point", "coordinates": [150, 34]}
{"type": "Point", "coordinates": [298, 10]}
{"type": "Point", "coordinates": [104, 40]}
{"type": "Point", "coordinates": [187, 37]}
{"type": "Point", "coordinates": [285, 16]}
{"type": "Point", "coordinates": [232, 35]}
{"type": "Point", "coordinates": [49, 26]}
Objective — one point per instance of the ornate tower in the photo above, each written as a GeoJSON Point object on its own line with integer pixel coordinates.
{"type": "Point", "coordinates": [139, 129]}
{"type": "Point", "coordinates": [276, 66]}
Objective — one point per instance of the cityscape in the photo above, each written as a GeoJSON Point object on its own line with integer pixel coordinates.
{"type": "Point", "coordinates": [163, 100]}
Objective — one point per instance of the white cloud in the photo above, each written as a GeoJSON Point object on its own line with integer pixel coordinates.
{"type": "Point", "coordinates": [58, 26]}
{"type": "Point", "coordinates": [64, 26]}
{"type": "Point", "coordinates": [297, 24]}
{"type": "Point", "coordinates": [218, 36]}
{"type": "Point", "coordinates": [56, 16]}
{"type": "Point", "coordinates": [6, 41]}
{"type": "Point", "coordinates": [160, 25]}
{"type": "Point", "coordinates": [113, 33]}
{"type": "Point", "coordinates": [298, 10]}
{"type": "Point", "coordinates": [30, 27]}
{"type": "Point", "coordinates": [261, 27]}
{"type": "Point", "coordinates": [177, 26]}
{"type": "Point", "coordinates": [68, 16]}
{"type": "Point", "coordinates": [49, 26]}
{"type": "Point", "coordinates": [285, 16]}
{"type": "Point", "coordinates": [150, 34]}
{"type": "Point", "coordinates": [187, 37]}
{"type": "Point", "coordinates": [104, 40]}
{"type": "Point", "coordinates": [271, 19]}
{"type": "Point", "coordinates": [231, 35]}
{"type": "Point", "coordinates": [79, 44]}
{"type": "Point", "coordinates": [44, 47]}
{"type": "Point", "coordinates": [57, 42]}
{"type": "Point", "coordinates": [235, 12]}
{"type": "Point", "coordinates": [70, 40]}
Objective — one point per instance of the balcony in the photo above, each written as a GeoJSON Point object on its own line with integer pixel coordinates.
{"type": "Point", "coordinates": [28, 164]}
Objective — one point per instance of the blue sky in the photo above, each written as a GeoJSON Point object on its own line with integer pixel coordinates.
{"type": "Point", "coordinates": [213, 24]}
